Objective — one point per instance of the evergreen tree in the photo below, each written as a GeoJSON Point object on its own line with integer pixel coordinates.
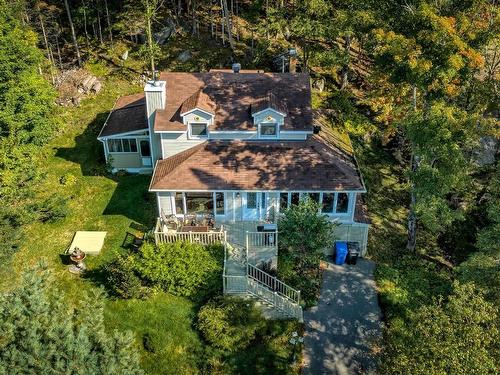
{"type": "Point", "coordinates": [41, 334]}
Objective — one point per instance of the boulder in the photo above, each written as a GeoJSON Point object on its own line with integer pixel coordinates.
{"type": "Point", "coordinates": [486, 152]}
{"type": "Point", "coordinates": [184, 56]}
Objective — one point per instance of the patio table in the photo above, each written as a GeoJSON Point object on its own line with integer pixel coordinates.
{"type": "Point", "coordinates": [191, 228]}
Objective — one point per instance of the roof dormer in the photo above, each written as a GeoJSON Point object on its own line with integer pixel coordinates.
{"type": "Point", "coordinates": [198, 112]}
{"type": "Point", "coordinates": [268, 114]}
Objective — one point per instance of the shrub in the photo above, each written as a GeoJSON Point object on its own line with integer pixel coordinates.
{"type": "Point", "coordinates": [182, 268]}
{"type": "Point", "coordinates": [68, 179]}
{"type": "Point", "coordinates": [230, 324]}
{"type": "Point", "coordinates": [122, 280]}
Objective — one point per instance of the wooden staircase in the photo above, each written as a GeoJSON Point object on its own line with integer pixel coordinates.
{"type": "Point", "coordinates": [277, 299]}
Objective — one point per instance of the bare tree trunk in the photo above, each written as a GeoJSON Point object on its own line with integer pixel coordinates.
{"type": "Point", "coordinates": [99, 25]}
{"type": "Point", "coordinates": [59, 52]}
{"type": "Point", "coordinates": [73, 35]}
{"type": "Point", "coordinates": [412, 216]}
{"type": "Point", "coordinates": [345, 68]}
{"type": "Point", "coordinates": [227, 18]}
{"type": "Point", "coordinates": [45, 41]}
{"type": "Point", "coordinates": [109, 22]}
{"type": "Point", "coordinates": [85, 26]}
{"type": "Point", "coordinates": [149, 16]}
{"type": "Point", "coordinates": [211, 20]}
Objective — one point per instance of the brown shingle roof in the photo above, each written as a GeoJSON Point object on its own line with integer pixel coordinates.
{"type": "Point", "coordinates": [233, 95]}
{"type": "Point", "coordinates": [128, 114]}
{"type": "Point", "coordinates": [312, 165]}
{"type": "Point", "coordinates": [268, 101]}
{"type": "Point", "coordinates": [198, 100]}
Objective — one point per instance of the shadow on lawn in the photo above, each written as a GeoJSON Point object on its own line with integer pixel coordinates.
{"type": "Point", "coordinates": [130, 197]}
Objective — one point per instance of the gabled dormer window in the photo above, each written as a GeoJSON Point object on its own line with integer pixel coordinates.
{"type": "Point", "coordinates": [198, 130]}
{"type": "Point", "coordinates": [268, 130]}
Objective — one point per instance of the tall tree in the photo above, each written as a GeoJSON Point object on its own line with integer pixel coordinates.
{"type": "Point", "coordinates": [73, 34]}
{"type": "Point", "coordinates": [41, 334]}
{"type": "Point", "coordinates": [407, 51]}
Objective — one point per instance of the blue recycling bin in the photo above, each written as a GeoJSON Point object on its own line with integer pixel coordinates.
{"type": "Point", "coordinates": [340, 252]}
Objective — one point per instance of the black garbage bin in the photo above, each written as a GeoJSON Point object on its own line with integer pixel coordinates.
{"type": "Point", "coordinates": [352, 252]}
{"type": "Point", "coordinates": [269, 239]}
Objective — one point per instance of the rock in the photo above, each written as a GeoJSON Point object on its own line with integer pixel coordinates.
{"type": "Point", "coordinates": [487, 150]}
{"type": "Point", "coordinates": [184, 56]}
{"type": "Point", "coordinates": [125, 55]}
{"type": "Point", "coordinates": [96, 87]}
{"type": "Point", "coordinates": [319, 84]}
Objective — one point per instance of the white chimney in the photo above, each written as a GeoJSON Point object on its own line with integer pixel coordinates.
{"type": "Point", "coordinates": [156, 97]}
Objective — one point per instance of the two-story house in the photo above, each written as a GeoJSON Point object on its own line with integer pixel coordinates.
{"type": "Point", "coordinates": [241, 146]}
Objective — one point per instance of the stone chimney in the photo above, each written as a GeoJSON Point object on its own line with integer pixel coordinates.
{"type": "Point", "coordinates": [156, 97]}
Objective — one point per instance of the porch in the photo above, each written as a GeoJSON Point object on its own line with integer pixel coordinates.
{"type": "Point", "coordinates": [251, 242]}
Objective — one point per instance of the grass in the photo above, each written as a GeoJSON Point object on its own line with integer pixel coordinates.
{"type": "Point", "coordinates": [165, 323]}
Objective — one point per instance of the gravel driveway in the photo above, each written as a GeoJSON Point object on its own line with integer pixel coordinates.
{"type": "Point", "coordinates": [342, 327]}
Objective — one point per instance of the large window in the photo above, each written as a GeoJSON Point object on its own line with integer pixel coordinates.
{"type": "Point", "coordinates": [122, 145]}
{"type": "Point", "coordinates": [251, 200]}
{"type": "Point", "coordinates": [268, 130]}
{"type": "Point", "coordinates": [342, 203]}
{"type": "Point", "coordinates": [283, 201]}
{"type": "Point", "coordinates": [328, 202]}
{"type": "Point", "coordinates": [198, 130]}
{"type": "Point", "coordinates": [219, 203]}
{"type": "Point", "coordinates": [179, 203]}
{"type": "Point", "coordinates": [199, 203]}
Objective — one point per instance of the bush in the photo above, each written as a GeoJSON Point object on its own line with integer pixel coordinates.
{"type": "Point", "coordinates": [182, 268]}
{"type": "Point", "coordinates": [122, 280]}
{"type": "Point", "coordinates": [230, 324]}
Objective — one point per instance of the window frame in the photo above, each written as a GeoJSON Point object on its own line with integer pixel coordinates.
{"type": "Point", "coordinates": [130, 141]}
{"type": "Point", "coordinates": [190, 130]}
{"type": "Point", "coordinates": [223, 203]}
{"type": "Point", "coordinates": [268, 123]}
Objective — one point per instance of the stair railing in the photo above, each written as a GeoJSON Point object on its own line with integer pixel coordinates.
{"type": "Point", "coordinates": [273, 283]}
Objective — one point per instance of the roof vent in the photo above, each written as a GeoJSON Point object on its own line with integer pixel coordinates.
{"type": "Point", "coordinates": [236, 67]}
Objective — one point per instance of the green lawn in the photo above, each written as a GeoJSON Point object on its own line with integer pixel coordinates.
{"type": "Point", "coordinates": [164, 322]}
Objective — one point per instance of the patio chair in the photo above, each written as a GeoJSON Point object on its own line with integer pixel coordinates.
{"type": "Point", "coordinates": [190, 220]}
{"type": "Point", "coordinates": [209, 221]}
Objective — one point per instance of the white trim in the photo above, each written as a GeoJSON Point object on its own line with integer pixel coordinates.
{"type": "Point", "coordinates": [259, 190]}
{"type": "Point", "coordinates": [197, 137]}
{"type": "Point", "coordinates": [296, 132]}
{"type": "Point", "coordinates": [123, 135]}
{"type": "Point", "coordinates": [169, 131]}
{"type": "Point", "coordinates": [276, 124]}
{"type": "Point", "coordinates": [197, 109]}
{"type": "Point", "coordinates": [133, 170]}
{"type": "Point", "coordinates": [268, 109]}
{"type": "Point", "coordinates": [233, 132]}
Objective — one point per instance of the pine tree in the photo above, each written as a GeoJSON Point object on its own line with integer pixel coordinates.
{"type": "Point", "coordinates": [41, 334]}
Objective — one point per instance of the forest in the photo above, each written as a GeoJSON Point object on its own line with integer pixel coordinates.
{"type": "Point", "coordinates": [414, 83]}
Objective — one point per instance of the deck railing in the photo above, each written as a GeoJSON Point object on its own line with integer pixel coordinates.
{"type": "Point", "coordinates": [204, 238]}
{"type": "Point", "coordinates": [261, 239]}
{"type": "Point", "coordinates": [273, 283]}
